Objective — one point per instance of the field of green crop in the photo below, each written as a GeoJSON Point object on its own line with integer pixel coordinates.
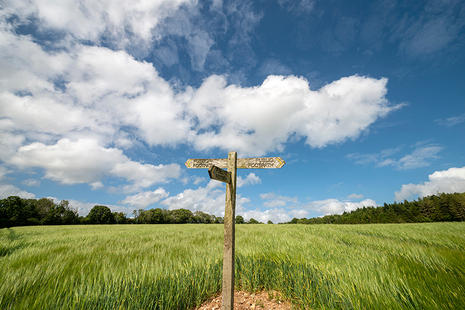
{"type": "Point", "coordinates": [403, 266]}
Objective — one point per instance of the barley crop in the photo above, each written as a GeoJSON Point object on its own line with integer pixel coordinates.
{"type": "Point", "coordinates": [385, 266]}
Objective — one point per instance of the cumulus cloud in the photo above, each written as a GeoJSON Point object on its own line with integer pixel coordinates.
{"type": "Point", "coordinates": [209, 199]}
{"type": "Point", "coordinates": [97, 91]}
{"type": "Point", "coordinates": [445, 181]}
{"type": "Point", "coordinates": [261, 119]}
{"type": "Point", "coordinates": [84, 208]}
{"type": "Point", "coordinates": [85, 161]}
{"type": "Point", "coordinates": [144, 199]}
{"type": "Point", "coordinates": [7, 190]}
{"type": "Point", "coordinates": [65, 104]}
{"type": "Point", "coordinates": [96, 185]}
{"type": "Point", "coordinates": [68, 162]}
{"type": "Point", "coordinates": [90, 19]}
{"type": "Point", "coordinates": [334, 206]}
{"type": "Point", "coordinates": [275, 215]}
{"type": "Point", "coordinates": [3, 172]}
{"type": "Point", "coordinates": [250, 179]}
{"type": "Point", "coordinates": [144, 175]}
{"type": "Point", "coordinates": [102, 97]}
{"type": "Point", "coordinates": [298, 213]}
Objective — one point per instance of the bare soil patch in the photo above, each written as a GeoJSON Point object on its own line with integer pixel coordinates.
{"type": "Point", "coordinates": [255, 301]}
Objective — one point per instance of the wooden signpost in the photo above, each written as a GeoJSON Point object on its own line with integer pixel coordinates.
{"type": "Point", "coordinates": [232, 163]}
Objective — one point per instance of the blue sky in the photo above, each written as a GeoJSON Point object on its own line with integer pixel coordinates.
{"type": "Point", "coordinates": [102, 102]}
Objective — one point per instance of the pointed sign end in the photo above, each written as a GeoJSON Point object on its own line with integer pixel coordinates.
{"type": "Point", "coordinates": [281, 162]}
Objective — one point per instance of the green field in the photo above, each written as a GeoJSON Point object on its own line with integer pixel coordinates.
{"type": "Point", "coordinates": [391, 266]}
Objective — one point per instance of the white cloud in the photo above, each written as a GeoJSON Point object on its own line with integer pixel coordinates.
{"type": "Point", "coordinates": [90, 19]}
{"type": "Point", "coordinates": [7, 190]}
{"type": "Point", "coordinates": [85, 161]}
{"type": "Point", "coordinates": [9, 143]}
{"type": "Point", "coordinates": [98, 73]}
{"type": "Point", "coordinates": [275, 203]}
{"type": "Point", "coordinates": [273, 66]}
{"type": "Point", "coordinates": [334, 206]}
{"type": "Point", "coordinates": [100, 91]}
{"type": "Point", "coordinates": [250, 179]}
{"type": "Point", "coordinates": [3, 172]}
{"type": "Point", "coordinates": [427, 36]}
{"type": "Point", "coordinates": [261, 119]}
{"type": "Point", "coordinates": [270, 195]}
{"type": "Point", "coordinates": [31, 182]}
{"type": "Point", "coordinates": [64, 104]}
{"type": "Point", "coordinates": [355, 196]}
{"type": "Point", "coordinates": [144, 199]}
{"type": "Point", "coordinates": [363, 159]}
{"type": "Point", "coordinates": [199, 180]}
{"type": "Point", "coordinates": [275, 215]}
{"type": "Point", "coordinates": [144, 175]}
{"type": "Point", "coordinates": [84, 208]}
{"type": "Point", "coordinates": [445, 181]}
{"type": "Point", "coordinates": [422, 156]}
{"type": "Point", "coordinates": [209, 199]}
{"type": "Point", "coordinates": [451, 121]}
{"type": "Point", "coordinates": [298, 213]}
{"type": "Point", "coordinates": [198, 46]}
{"type": "Point", "coordinates": [68, 162]}
{"type": "Point", "coordinates": [103, 91]}
{"type": "Point", "coordinates": [124, 143]}
{"type": "Point", "coordinates": [274, 200]}
{"type": "Point", "coordinates": [96, 185]}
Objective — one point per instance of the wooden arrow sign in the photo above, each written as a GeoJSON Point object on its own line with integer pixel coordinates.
{"type": "Point", "coordinates": [242, 163]}
{"type": "Point", "coordinates": [219, 174]}
{"type": "Point", "coordinates": [260, 163]}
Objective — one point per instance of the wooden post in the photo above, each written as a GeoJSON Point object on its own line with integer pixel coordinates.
{"type": "Point", "coordinates": [232, 163]}
{"type": "Point", "coordinates": [229, 234]}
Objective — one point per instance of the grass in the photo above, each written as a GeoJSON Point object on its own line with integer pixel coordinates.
{"type": "Point", "coordinates": [410, 266]}
{"type": "Point", "coordinates": [109, 267]}
{"type": "Point", "coordinates": [390, 266]}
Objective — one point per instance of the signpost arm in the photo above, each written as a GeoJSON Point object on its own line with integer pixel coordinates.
{"type": "Point", "coordinates": [229, 235]}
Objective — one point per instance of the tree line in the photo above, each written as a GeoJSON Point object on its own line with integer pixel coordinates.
{"type": "Point", "coordinates": [435, 208]}
{"type": "Point", "coordinates": [16, 211]}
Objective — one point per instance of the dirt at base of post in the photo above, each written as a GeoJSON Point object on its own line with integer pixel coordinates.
{"type": "Point", "coordinates": [256, 301]}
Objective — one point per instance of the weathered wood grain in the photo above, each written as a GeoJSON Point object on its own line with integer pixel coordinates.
{"type": "Point", "coordinates": [242, 163]}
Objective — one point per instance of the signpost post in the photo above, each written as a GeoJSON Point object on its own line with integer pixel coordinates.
{"type": "Point", "coordinates": [232, 163]}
